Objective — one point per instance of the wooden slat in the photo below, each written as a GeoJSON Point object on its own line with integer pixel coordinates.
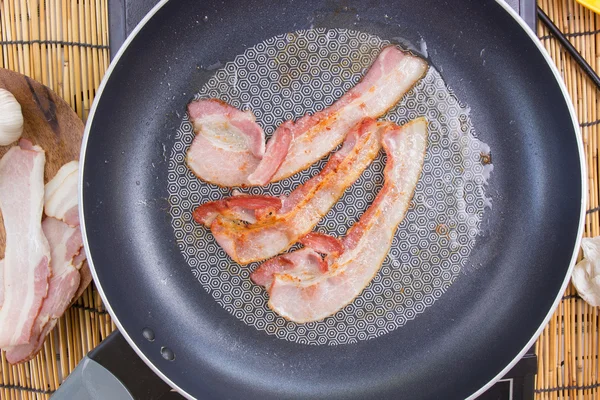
{"type": "Point", "coordinates": [568, 348]}
{"type": "Point", "coordinates": [74, 72]}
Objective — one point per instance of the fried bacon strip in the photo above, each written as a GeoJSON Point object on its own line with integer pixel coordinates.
{"type": "Point", "coordinates": [301, 292]}
{"type": "Point", "coordinates": [313, 136]}
{"type": "Point", "coordinates": [228, 146]}
{"type": "Point", "coordinates": [276, 230]}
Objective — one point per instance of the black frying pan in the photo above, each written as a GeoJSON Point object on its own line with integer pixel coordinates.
{"type": "Point", "coordinates": [455, 349]}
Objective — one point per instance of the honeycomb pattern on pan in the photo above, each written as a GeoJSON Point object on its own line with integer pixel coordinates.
{"type": "Point", "coordinates": [285, 77]}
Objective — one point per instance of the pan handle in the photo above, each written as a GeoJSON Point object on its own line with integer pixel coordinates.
{"type": "Point", "coordinates": [112, 371]}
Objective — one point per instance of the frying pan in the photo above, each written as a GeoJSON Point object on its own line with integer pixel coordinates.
{"type": "Point", "coordinates": [457, 347]}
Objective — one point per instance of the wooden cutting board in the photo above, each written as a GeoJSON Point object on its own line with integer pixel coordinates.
{"type": "Point", "coordinates": [48, 122]}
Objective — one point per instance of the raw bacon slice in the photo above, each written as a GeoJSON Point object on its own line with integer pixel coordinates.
{"type": "Point", "coordinates": [61, 202]}
{"type": "Point", "coordinates": [1, 282]}
{"type": "Point", "coordinates": [228, 146]}
{"type": "Point", "coordinates": [313, 136]}
{"type": "Point", "coordinates": [304, 207]}
{"type": "Point", "coordinates": [66, 244]}
{"type": "Point", "coordinates": [79, 259]}
{"type": "Point", "coordinates": [27, 254]}
{"type": "Point", "coordinates": [60, 194]}
{"type": "Point", "coordinates": [85, 280]}
{"type": "Point", "coordinates": [302, 293]}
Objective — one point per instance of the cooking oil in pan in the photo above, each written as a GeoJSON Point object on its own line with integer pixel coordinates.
{"type": "Point", "coordinates": [290, 75]}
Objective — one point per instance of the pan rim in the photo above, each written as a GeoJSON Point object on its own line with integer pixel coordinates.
{"type": "Point", "coordinates": [582, 167]}
{"type": "Point", "coordinates": [84, 143]}
{"type": "Point", "coordinates": [519, 355]}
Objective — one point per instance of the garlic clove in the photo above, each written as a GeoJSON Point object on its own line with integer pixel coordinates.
{"type": "Point", "coordinates": [586, 274]}
{"type": "Point", "coordinates": [11, 118]}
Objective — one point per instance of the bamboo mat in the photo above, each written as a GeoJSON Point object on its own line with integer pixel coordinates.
{"type": "Point", "coordinates": [568, 348]}
{"type": "Point", "coordinates": [64, 45]}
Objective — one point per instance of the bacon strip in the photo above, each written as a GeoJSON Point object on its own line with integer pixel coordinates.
{"type": "Point", "coordinates": [305, 206]}
{"type": "Point", "coordinates": [66, 243]}
{"type": "Point", "coordinates": [322, 243]}
{"type": "Point", "coordinates": [1, 282]}
{"type": "Point", "coordinates": [235, 207]}
{"type": "Point", "coordinates": [27, 255]}
{"type": "Point", "coordinates": [305, 262]}
{"type": "Point", "coordinates": [313, 136]}
{"type": "Point", "coordinates": [276, 151]}
{"type": "Point", "coordinates": [228, 145]}
{"type": "Point", "coordinates": [60, 194]}
{"type": "Point", "coordinates": [85, 276]}
{"type": "Point", "coordinates": [302, 296]}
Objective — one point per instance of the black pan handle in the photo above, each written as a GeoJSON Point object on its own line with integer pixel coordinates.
{"type": "Point", "coordinates": [112, 371]}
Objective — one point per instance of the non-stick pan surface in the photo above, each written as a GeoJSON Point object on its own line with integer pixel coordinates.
{"type": "Point", "coordinates": [487, 317]}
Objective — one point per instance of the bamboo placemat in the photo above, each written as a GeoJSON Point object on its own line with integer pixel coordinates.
{"type": "Point", "coordinates": [64, 45]}
{"type": "Point", "coordinates": [568, 348]}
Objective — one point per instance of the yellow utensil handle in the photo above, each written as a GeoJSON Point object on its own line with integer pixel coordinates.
{"type": "Point", "coordinates": [593, 5]}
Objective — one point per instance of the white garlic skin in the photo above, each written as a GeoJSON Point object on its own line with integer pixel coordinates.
{"type": "Point", "coordinates": [11, 118]}
{"type": "Point", "coordinates": [586, 274]}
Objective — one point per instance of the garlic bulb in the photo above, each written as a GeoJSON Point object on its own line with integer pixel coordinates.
{"type": "Point", "coordinates": [11, 118]}
{"type": "Point", "coordinates": [586, 275]}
